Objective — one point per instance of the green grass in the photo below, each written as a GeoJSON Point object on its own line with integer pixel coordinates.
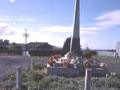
{"type": "Point", "coordinates": [36, 78]}
{"type": "Point", "coordinates": [103, 58]}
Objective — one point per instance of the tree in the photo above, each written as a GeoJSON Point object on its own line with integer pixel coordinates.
{"type": "Point", "coordinates": [14, 43]}
{"type": "Point", "coordinates": [87, 53]}
{"type": "Point", "coordinates": [6, 42]}
{"type": "Point", "coordinates": [66, 45]}
{"type": "Point", "coordinates": [1, 41]}
{"type": "Point", "coordinates": [3, 47]}
{"type": "Point", "coordinates": [18, 47]}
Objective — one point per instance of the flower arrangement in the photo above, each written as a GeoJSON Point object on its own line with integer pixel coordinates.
{"type": "Point", "coordinates": [65, 63]}
{"type": "Point", "coordinates": [102, 65]}
{"type": "Point", "coordinates": [53, 59]}
{"type": "Point", "coordinates": [87, 53]}
{"type": "Point", "coordinates": [86, 63]}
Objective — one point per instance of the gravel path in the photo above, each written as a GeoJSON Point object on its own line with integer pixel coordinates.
{"type": "Point", "coordinates": [8, 64]}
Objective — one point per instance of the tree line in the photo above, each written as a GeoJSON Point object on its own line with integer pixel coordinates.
{"type": "Point", "coordinates": [5, 45]}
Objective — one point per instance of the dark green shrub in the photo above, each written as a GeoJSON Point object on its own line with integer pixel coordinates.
{"type": "Point", "coordinates": [36, 76]}
{"type": "Point", "coordinates": [39, 66]}
{"type": "Point", "coordinates": [87, 53]}
{"type": "Point", "coordinates": [113, 82]}
{"type": "Point", "coordinates": [24, 78]}
{"type": "Point", "coordinates": [12, 77]}
{"type": "Point", "coordinates": [99, 82]}
{"type": "Point", "coordinates": [8, 85]}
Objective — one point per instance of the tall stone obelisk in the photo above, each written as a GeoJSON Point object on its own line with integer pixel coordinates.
{"type": "Point", "coordinates": [75, 40]}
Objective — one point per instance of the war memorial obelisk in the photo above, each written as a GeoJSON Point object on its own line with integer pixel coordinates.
{"type": "Point", "coordinates": [75, 40]}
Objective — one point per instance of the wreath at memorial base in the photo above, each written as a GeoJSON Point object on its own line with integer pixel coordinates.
{"type": "Point", "coordinates": [65, 63]}
{"type": "Point", "coordinates": [86, 64]}
{"type": "Point", "coordinates": [53, 59]}
{"type": "Point", "coordinates": [87, 53]}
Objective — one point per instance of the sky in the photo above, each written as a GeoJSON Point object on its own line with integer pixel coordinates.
{"type": "Point", "coordinates": [52, 21]}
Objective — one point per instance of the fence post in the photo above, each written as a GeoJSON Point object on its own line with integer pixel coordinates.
{"type": "Point", "coordinates": [18, 77]}
{"type": "Point", "coordinates": [88, 75]}
{"type": "Point", "coordinates": [32, 62]}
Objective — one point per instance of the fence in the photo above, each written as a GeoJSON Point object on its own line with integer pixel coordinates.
{"type": "Point", "coordinates": [34, 52]}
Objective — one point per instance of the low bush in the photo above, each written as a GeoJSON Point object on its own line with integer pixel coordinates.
{"type": "Point", "coordinates": [113, 82]}
{"type": "Point", "coordinates": [39, 66]}
{"type": "Point", "coordinates": [36, 79]}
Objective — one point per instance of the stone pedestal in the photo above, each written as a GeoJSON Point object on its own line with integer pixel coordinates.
{"type": "Point", "coordinates": [25, 53]}
{"type": "Point", "coordinates": [61, 71]}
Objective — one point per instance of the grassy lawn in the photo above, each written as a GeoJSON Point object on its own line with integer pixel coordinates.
{"type": "Point", "coordinates": [104, 58]}
{"type": "Point", "coordinates": [112, 64]}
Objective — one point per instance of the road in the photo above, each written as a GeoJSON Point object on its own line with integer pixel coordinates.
{"type": "Point", "coordinates": [8, 64]}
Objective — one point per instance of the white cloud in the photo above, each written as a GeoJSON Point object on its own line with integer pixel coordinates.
{"type": "Point", "coordinates": [109, 19]}
{"type": "Point", "coordinates": [91, 28]}
{"type": "Point", "coordinates": [83, 30]}
{"type": "Point", "coordinates": [5, 29]}
{"type": "Point", "coordinates": [56, 29]}
{"type": "Point", "coordinates": [3, 24]}
{"type": "Point", "coordinates": [103, 22]}
{"type": "Point", "coordinates": [109, 15]}
{"type": "Point", "coordinates": [11, 33]}
{"type": "Point", "coordinates": [30, 20]}
{"type": "Point", "coordinates": [24, 19]}
{"type": "Point", "coordinates": [12, 1]}
{"type": "Point", "coordinates": [5, 18]}
{"type": "Point", "coordinates": [20, 18]}
{"type": "Point", "coordinates": [8, 30]}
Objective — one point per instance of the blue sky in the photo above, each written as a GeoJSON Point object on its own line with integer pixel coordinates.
{"type": "Point", "coordinates": [52, 21]}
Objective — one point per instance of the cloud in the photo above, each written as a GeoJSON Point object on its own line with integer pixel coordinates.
{"type": "Point", "coordinates": [65, 29]}
{"type": "Point", "coordinates": [12, 1]}
{"type": "Point", "coordinates": [56, 29]}
{"type": "Point", "coordinates": [109, 15]}
{"type": "Point", "coordinates": [110, 19]}
{"type": "Point", "coordinates": [103, 22]}
{"type": "Point", "coordinates": [5, 18]}
{"type": "Point", "coordinates": [30, 20]}
{"type": "Point", "coordinates": [24, 19]}
{"type": "Point", "coordinates": [5, 29]}
{"type": "Point", "coordinates": [11, 33]}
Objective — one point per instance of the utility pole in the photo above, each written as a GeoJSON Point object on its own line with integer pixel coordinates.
{"type": "Point", "coordinates": [26, 35]}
